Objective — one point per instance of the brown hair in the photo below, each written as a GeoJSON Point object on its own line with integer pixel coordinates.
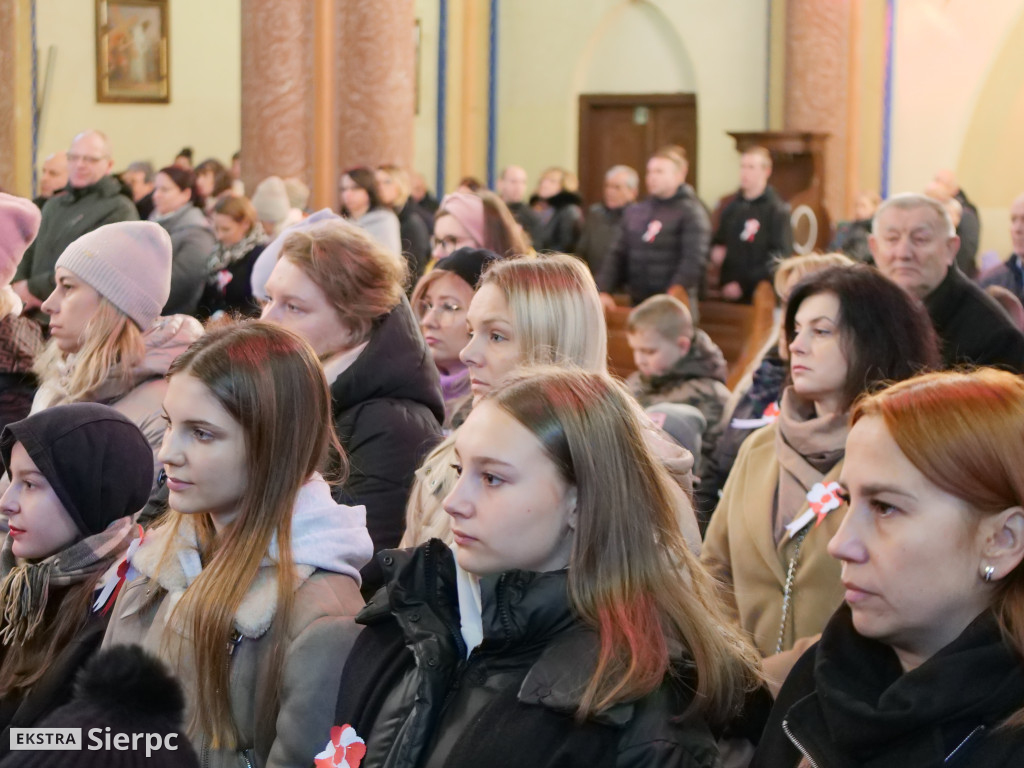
{"type": "Point", "coordinates": [66, 614]}
{"type": "Point", "coordinates": [964, 431]}
{"type": "Point", "coordinates": [270, 381]}
{"type": "Point", "coordinates": [360, 279]}
{"type": "Point", "coordinates": [222, 179]}
{"type": "Point", "coordinates": [239, 209]}
{"type": "Point", "coordinates": [632, 577]}
{"type": "Point", "coordinates": [502, 234]}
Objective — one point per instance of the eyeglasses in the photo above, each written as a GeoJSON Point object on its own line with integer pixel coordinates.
{"type": "Point", "coordinates": [446, 244]}
{"type": "Point", "coordinates": [89, 159]}
{"type": "Point", "coordinates": [444, 311]}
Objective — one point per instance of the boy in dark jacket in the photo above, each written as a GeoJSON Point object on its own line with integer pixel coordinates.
{"type": "Point", "coordinates": [677, 364]}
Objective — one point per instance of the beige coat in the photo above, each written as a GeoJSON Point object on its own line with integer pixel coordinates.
{"type": "Point", "coordinates": [740, 550]}
{"type": "Point", "coordinates": [320, 634]}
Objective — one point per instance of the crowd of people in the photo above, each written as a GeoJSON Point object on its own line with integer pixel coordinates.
{"type": "Point", "coordinates": [356, 487]}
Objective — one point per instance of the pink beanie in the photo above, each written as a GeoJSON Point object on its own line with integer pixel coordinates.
{"type": "Point", "coordinates": [19, 224]}
{"type": "Point", "coordinates": [468, 210]}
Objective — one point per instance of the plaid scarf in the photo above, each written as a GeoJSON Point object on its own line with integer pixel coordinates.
{"type": "Point", "coordinates": [224, 256]}
{"type": "Point", "coordinates": [25, 587]}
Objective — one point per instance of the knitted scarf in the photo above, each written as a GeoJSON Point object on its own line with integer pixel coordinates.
{"type": "Point", "coordinates": [224, 256]}
{"type": "Point", "coordinates": [808, 446]}
{"type": "Point", "coordinates": [25, 587]}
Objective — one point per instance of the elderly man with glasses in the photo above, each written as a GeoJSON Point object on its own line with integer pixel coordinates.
{"type": "Point", "coordinates": [93, 198]}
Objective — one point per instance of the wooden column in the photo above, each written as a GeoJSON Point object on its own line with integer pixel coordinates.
{"type": "Point", "coordinates": [326, 85]}
{"type": "Point", "coordinates": [818, 51]}
{"type": "Point", "coordinates": [15, 98]}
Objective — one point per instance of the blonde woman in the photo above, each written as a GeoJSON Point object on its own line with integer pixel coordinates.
{"type": "Point", "coordinates": [393, 188]}
{"type": "Point", "coordinates": [108, 343]}
{"type": "Point", "coordinates": [532, 311]}
{"type": "Point", "coordinates": [249, 584]}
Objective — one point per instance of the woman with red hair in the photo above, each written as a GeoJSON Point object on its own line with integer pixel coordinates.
{"type": "Point", "coordinates": [922, 664]}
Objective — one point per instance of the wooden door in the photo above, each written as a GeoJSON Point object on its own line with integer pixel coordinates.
{"type": "Point", "coordinates": [627, 129]}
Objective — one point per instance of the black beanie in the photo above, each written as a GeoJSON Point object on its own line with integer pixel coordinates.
{"type": "Point", "coordinates": [128, 691]}
{"type": "Point", "coordinates": [95, 459]}
{"type": "Point", "coordinates": [468, 263]}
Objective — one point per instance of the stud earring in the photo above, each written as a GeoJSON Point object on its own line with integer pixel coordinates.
{"type": "Point", "coordinates": [988, 572]}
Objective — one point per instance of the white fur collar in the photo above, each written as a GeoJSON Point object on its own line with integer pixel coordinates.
{"type": "Point", "coordinates": [325, 535]}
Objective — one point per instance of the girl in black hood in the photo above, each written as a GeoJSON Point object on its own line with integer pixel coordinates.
{"type": "Point", "coordinates": [78, 472]}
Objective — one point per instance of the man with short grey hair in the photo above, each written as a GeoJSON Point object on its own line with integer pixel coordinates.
{"type": "Point", "coordinates": [914, 244]}
{"type": "Point", "coordinates": [603, 224]}
{"type": "Point", "coordinates": [93, 198]}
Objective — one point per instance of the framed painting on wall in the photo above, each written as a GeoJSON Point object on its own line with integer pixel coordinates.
{"type": "Point", "coordinates": [132, 52]}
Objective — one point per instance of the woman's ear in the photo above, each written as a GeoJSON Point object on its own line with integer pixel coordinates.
{"type": "Point", "coordinates": [1004, 542]}
{"type": "Point", "coordinates": [571, 497]}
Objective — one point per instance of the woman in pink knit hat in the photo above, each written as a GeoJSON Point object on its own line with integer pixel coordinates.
{"type": "Point", "coordinates": [478, 220]}
{"type": "Point", "coordinates": [20, 338]}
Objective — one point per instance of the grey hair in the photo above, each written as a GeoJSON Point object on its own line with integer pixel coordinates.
{"type": "Point", "coordinates": [907, 201]}
{"type": "Point", "coordinates": [99, 134]}
{"type": "Point", "coordinates": [144, 167]}
{"type": "Point", "coordinates": [632, 179]}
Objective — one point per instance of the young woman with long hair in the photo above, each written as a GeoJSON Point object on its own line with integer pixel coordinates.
{"type": "Point", "coordinates": [570, 624]}
{"type": "Point", "coordinates": [108, 343]}
{"type": "Point", "coordinates": [362, 205]}
{"type": "Point", "coordinates": [848, 329]}
{"type": "Point", "coordinates": [922, 664]}
{"type": "Point", "coordinates": [77, 474]}
{"type": "Point", "coordinates": [249, 583]}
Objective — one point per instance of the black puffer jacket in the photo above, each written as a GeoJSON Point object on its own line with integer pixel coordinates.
{"type": "Point", "coordinates": [848, 704]}
{"type": "Point", "coordinates": [410, 692]}
{"type": "Point", "coordinates": [388, 412]}
{"type": "Point", "coordinates": [662, 243]}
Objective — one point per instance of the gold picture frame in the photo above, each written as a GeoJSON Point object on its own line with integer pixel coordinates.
{"type": "Point", "coordinates": [132, 52]}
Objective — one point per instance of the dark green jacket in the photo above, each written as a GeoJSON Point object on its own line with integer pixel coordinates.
{"type": "Point", "coordinates": [66, 217]}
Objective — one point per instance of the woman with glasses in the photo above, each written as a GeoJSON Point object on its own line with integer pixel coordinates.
{"type": "Point", "coordinates": [440, 300]}
{"type": "Point", "coordinates": [480, 220]}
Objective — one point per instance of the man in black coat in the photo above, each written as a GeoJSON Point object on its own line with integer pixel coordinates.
{"type": "Point", "coordinates": [664, 241]}
{"type": "Point", "coordinates": [754, 230]}
{"type": "Point", "coordinates": [915, 245]}
{"type": "Point", "coordinates": [511, 189]}
{"type": "Point", "coordinates": [603, 224]}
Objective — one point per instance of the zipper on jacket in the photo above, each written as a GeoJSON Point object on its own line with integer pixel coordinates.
{"type": "Point", "coordinates": [798, 745]}
{"type": "Point", "coordinates": [961, 745]}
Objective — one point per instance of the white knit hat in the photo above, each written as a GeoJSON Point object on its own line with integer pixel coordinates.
{"type": "Point", "coordinates": [128, 263]}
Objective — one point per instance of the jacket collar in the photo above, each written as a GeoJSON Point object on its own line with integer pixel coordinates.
{"type": "Point", "coordinates": [943, 302]}
{"type": "Point", "coordinates": [325, 536]}
{"type": "Point", "coordinates": [866, 711]}
{"type": "Point", "coordinates": [395, 364]}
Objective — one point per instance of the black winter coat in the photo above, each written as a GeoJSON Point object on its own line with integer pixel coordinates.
{"type": "Point", "coordinates": [415, 240]}
{"type": "Point", "coordinates": [848, 704]}
{"type": "Point", "coordinates": [388, 412]}
{"type": "Point", "coordinates": [973, 328]}
{"type": "Point", "coordinates": [560, 231]}
{"type": "Point", "coordinates": [662, 243]}
{"type": "Point", "coordinates": [755, 233]}
{"type": "Point", "coordinates": [236, 296]}
{"type": "Point", "coordinates": [410, 692]}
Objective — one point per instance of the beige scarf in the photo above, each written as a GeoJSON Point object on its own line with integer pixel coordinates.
{"type": "Point", "coordinates": [807, 446]}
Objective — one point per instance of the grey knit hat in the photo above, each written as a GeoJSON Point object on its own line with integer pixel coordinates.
{"type": "Point", "coordinates": [128, 263]}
